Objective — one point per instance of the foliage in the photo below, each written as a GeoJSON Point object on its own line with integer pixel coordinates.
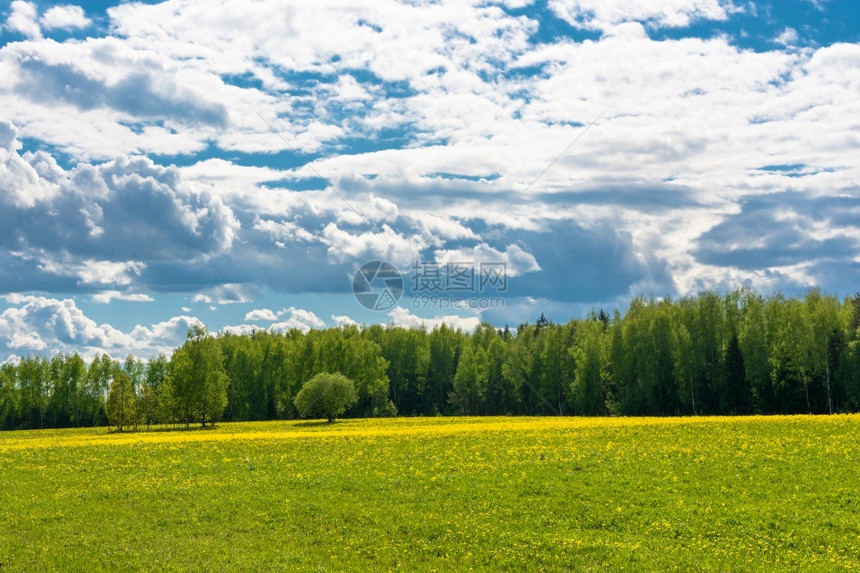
{"type": "Point", "coordinates": [737, 353]}
{"type": "Point", "coordinates": [198, 379]}
{"type": "Point", "coordinates": [121, 402]}
{"type": "Point", "coordinates": [326, 396]}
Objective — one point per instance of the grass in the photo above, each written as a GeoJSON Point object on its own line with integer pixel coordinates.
{"type": "Point", "coordinates": [693, 494]}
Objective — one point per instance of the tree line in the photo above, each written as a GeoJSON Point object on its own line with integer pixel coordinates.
{"type": "Point", "coordinates": [734, 353]}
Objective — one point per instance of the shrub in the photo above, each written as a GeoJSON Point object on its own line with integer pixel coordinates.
{"type": "Point", "coordinates": [325, 396]}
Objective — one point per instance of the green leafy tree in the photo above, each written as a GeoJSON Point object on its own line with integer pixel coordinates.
{"type": "Point", "coordinates": [753, 342]}
{"type": "Point", "coordinates": [408, 355]}
{"type": "Point", "coordinates": [33, 379]}
{"type": "Point", "coordinates": [326, 396]}
{"type": "Point", "coordinates": [444, 347]}
{"type": "Point", "coordinates": [470, 381]}
{"type": "Point", "coordinates": [99, 375]}
{"type": "Point", "coordinates": [121, 402]}
{"type": "Point", "coordinates": [8, 396]}
{"type": "Point", "coordinates": [198, 379]}
{"type": "Point", "coordinates": [589, 351]}
{"type": "Point", "coordinates": [555, 372]}
{"type": "Point", "coordinates": [848, 374]}
{"type": "Point", "coordinates": [684, 368]}
{"type": "Point", "coordinates": [736, 396]}
{"type": "Point", "coordinates": [135, 369]}
{"type": "Point", "coordinates": [824, 314]}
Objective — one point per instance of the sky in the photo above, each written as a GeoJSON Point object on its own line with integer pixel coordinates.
{"type": "Point", "coordinates": [239, 162]}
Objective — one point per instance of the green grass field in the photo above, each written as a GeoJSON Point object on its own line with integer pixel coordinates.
{"type": "Point", "coordinates": [709, 494]}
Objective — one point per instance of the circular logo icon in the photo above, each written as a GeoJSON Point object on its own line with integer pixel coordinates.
{"type": "Point", "coordinates": [377, 285]}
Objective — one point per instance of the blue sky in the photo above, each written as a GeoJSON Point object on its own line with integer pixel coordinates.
{"type": "Point", "coordinates": [235, 163]}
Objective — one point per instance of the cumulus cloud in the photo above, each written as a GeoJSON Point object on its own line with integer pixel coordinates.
{"type": "Point", "coordinates": [403, 317]}
{"type": "Point", "coordinates": [343, 320]}
{"type": "Point", "coordinates": [67, 17]}
{"type": "Point", "coordinates": [602, 14]}
{"type": "Point", "coordinates": [26, 179]}
{"type": "Point", "coordinates": [162, 337]}
{"type": "Point", "coordinates": [296, 318]}
{"type": "Point", "coordinates": [229, 294]}
{"type": "Point", "coordinates": [516, 261]}
{"type": "Point", "coordinates": [104, 224]}
{"type": "Point", "coordinates": [372, 210]}
{"type": "Point", "coordinates": [788, 37]}
{"type": "Point", "coordinates": [261, 315]}
{"type": "Point", "coordinates": [286, 319]}
{"type": "Point", "coordinates": [784, 230]}
{"type": "Point", "coordinates": [35, 324]}
{"type": "Point", "coordinates": [429, 119]}
{"type": "Point", "coordinates": [108, 296]}
{"type": "Point", "coordinates": [386, 244]}
{"type": "Point", "coordinates": [283, 231]}
{"type": "Point", "coordinates": [140, 95]}
{"type": "Point", "coordinates": [24, 19]}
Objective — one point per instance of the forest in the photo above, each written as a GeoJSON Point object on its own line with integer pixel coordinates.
{"type": "Point", "coordinates": [712, 354]}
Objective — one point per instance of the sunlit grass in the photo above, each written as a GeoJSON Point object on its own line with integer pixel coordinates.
{"type": "Point", "coordinates": [437, 493]}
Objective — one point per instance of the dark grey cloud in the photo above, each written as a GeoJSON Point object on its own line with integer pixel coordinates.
{"type": "Point", "coordinates": [55, 224]}
{"type": "Point", "coordinates": [436, 192]}
{"type": "Point", "coordinates": [20, 273]}
{"type": "Point", "coordinates": [780, 230]}
{"type": "Point", "coordinates": [128, 209]}
{"type": "Point", "coordinates": [140, 94]}
{"type": "Point", "coordinates": [644, 197]}
{"type": "Point", "coordinates": [578, 264]}
{"type": "Point", "coordinates": [838, 276]}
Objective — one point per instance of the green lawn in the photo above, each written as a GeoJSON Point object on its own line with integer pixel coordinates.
{"type": "Point", "coordinates": [710, 494]}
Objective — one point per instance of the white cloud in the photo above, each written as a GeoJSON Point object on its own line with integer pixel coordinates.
{"type": "Point", "coordinates": [516, 260]}
{"type": "Point", "coordinates": [162, 337]}
{"type": "Point", "coordinates": [28, 179]}
{"type": "Point", "coordinates": [403, 317]}
{"type": "Point", "coordinates": [479, 112]}
{"type": "Point", "coordinates": [444, 228]}
{"type": "Point", "coordinates": [93, 272]}
{"type": "Point", "coordinates": [102, 225]}
{"type": "Point", "coordinates": [66, 17]}
{"type": "Point", "coordinates": [281, 231]}
{"type": "Point", "coordinates": [261, 315]}
{"type": "Point", "coordinates": [23, 19]}
{"type": "Point", "coordinates": [240, 329]}
{"type": "Point", "coordinates": [228, 294]}
{"type": "Point", "coordinates": [603, 14]}
{"type": "Point", "coordinates": [300, 319]}
{"type": "Point", "coordinates": [295, 318]}
{"type": "Point", "coordinates": [108, 296]}
{"type": "Point", "coordinates": [386, 244]}
{"type": "Point", "coordinates": [35, 324]}
{"type": "Point", "coordinates": [788, 37]}
{"type": "Point", "coordinates": [372, 210]}
{"type": "Point", "coordinates": [343, 320]}
{"type": "Point", "coordinates": [40, 323]}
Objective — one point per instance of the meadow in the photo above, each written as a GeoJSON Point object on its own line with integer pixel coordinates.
{"type": "Point", "coordinates": [687, 494]}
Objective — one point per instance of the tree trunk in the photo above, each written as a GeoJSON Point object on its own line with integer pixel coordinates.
{"type": "Point", "coordinates": [692, 395]}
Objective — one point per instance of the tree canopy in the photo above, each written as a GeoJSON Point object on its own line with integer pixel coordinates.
{"type": "Point", "coordinates": [735, 353]}
{"type": "Point", "coordinates": [326, 396]}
